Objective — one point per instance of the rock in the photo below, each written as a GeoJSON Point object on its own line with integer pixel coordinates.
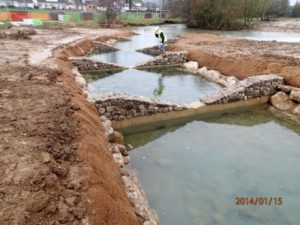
{"type": "Point", "coordinates": [123, 150]}
{"type": "Point", "coordinates": [124, 172]}
{"type": "Point", "coordinates": [252, 87]}
{"type": "Point", "coordinates": [191, 66]}
{"type": "Point", "coordinates": [211, 75]}
{"type": "Point", "coordinates": [75, 106]}
{"type": "Point", "coordinates": [101, 111]}
{"type": "Point", "coordinates": [60, 170]}
{"type": "Point", "coordinates": [118, 159]}
{"type": "Point", "coordinates": [51, 208]}
{"type": "Point", "coordinates": [228, 81]}
{"type": "Point", "coordinates": [287, 88]}
{"type": "Point", "coordinates": [117, 137]}
{"type": "Point", "coordinates": [295, 96]}
{"type": "Point", "coordinates": [46, 157]}
{"type": "Point", "coordinates": [109, 109]}
{"type": "Point", "coordinates": [297, 110]}
{"type": "Point", "coordinates": [121, 106]}
{"type": "Point", "coordinates": [38, 204]}
{"type": "Point", "coordinates": [126, 160]}
{"type": "Point", "coordinates": [281, 101]}
{"type": "Point", "coordinates": [81, 81]}
{"type": "Point", "coordinates": [150, 223]}
{"type": "Point", "coordinates": [130, 146]}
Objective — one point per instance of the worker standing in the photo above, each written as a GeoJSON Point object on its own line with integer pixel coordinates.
{"type": "Point", "coordinates": [162, 38]}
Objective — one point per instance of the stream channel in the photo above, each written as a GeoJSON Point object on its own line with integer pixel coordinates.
{"type": "Point", "coordinates": [193, 173]}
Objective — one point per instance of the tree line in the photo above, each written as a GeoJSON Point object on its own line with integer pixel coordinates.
{"type": "Point", "coordinates": [227, 14]}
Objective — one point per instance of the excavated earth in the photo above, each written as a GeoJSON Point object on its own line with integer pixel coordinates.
{"type": "Point", "coordinates": [243, 58]}
{"type": "Point", "coordinates": [55, 167]}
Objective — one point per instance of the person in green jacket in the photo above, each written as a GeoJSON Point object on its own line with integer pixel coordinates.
{"type": "Point", "coordinates": [162, 38]}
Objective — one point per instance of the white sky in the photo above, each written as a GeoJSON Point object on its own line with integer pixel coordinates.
{"type": "Point", "coordinates": [292, 2]}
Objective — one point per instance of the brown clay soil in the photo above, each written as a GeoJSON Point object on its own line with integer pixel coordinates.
{"type": "Point", "coordinates": [281, 25]}
{"type": "Point", "coordinates": [54, 164]}
{"type": "Point", "coordinates": [243, 58]}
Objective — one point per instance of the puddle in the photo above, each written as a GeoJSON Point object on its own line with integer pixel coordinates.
{"type": "Point", "coordinates": [192, 173]}
{"type": "Point", "coordinates": [168, 84]}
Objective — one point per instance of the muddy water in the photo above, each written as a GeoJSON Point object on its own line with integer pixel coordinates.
{"type": "Point", "coordinates": [255, 35]}
{"type": "Point", "coordinates": [193, 173]}
{"type": "Point", "coordinates": [265, 36]}
{"type": "Point", "coordinates": [169, 84]}
{"type": "Point", "coordinates": [127, 56]}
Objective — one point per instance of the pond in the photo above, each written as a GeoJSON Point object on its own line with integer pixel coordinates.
{"type": "Point", "coordinates": [168, 84]}
{"type": "Point", "coordinates": [127, 56]}
{"type": "Point", "coordinates": [193, 173]}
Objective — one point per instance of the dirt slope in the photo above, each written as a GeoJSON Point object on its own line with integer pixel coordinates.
{"type": "Point", "coordinates": [54, 164]}
{"type": "Point", "coordinates": [243, 58]}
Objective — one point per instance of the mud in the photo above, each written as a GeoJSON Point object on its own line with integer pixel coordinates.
{"type": "Point", "coordinates": [55, 167]}
{"type": "Point", "coordinates": [242, 58]}
{"type": "Point", "coordinates": [281, 25]}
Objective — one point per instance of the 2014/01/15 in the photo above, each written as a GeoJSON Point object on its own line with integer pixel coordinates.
{"type": "Point", "coordinates": [258, 201]}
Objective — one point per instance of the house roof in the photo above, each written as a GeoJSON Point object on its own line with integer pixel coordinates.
{"type": "Point", "coordinates": [54, 2]}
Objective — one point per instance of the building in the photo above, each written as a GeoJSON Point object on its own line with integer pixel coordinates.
{"type": "Point", "coordinates": [23, 4]}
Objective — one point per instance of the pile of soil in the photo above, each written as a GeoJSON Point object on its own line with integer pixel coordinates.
{"type": "Point", "coordinates": [242, 58]}
{"type": "Point", "coordinates": [55, 167]}
{"type": "Point", "coordinates": [16, 34]}
{"type": "Point", "coordinates": [39, 139]}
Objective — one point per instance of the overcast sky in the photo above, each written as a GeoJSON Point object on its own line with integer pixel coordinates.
{"type": "Point", "coordinates": [292, 2]}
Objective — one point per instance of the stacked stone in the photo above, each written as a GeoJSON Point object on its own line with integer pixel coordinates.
{"type": "Point", "coordinates": [87, 64]}
{"type": "Point", "coordinates": [168, 58]}
{"type": "Point", "coordinates": [100, 47]}
{"type": "Point", "coordinates": [287, 99]}
{"type": "Point", "coordinates": [132, 184]}
{"type": "Point", "coordinates": [252, 87]}
{"type": "Point", "coordinates": [121, 106]}
{"type": "Point", "coordinates": [154, 51]}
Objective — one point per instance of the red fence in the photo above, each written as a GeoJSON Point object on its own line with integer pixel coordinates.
{"type": "Point", "coordinates": [18, 16]}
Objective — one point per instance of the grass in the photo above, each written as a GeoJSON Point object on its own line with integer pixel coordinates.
{"type": "Point", "coordinates": [124, 18]}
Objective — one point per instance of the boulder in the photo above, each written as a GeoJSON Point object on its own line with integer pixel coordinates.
{"type": "Point", "coordinates": [281, 101]}
{"type": "Point", "coordinates": [228, 81]}
{"type": "Point", "coordinates": [295, 96]}
{"type": "Point", "coordinates": [117, 137]}
{"type": "Point", "coordinates": [285, 88]}
{"type": "Point", "coordinates": [191, 66]}
{"type": "Point", "coordinates": [211, 75]}
{"type": "Point", "coordinates": [297, 110]}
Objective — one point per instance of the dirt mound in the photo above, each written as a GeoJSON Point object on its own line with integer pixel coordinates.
{"type": "Point", "coordinates": [39, 139]}
{"type": "Point", "coordinates": [242, 58]}
{"type": "Point", "coordinates": [16, 34]}
{"type": "Point", "coordinates": [55, 167]}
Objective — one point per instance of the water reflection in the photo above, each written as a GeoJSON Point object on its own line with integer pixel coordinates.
{"type": "Point", "coordinates": [127, 56]}
{"type": "Point", "coordinates": [204, 165]}
{"type": "Point", "coordinates": [161, 87]}
{"type": "Point", "coordinates": [171, 85]}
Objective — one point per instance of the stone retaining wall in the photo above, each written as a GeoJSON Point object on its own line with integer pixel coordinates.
{"type": "Point", "coordinates": [121, 106]}
{"type": "Point", "coordinates": [168, 58]}
{"type": "Point", "coordinates": [87, 64]}
{"type": "Point", "coordinates": [252, 87]}
{"type": "Point", "coordinates": [154, 51]}
{"type": "Point", "coordinates": [132, 184]}
{"type": "Point", "coordinates": [100, 47]}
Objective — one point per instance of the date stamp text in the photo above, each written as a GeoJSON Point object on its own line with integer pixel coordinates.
{"type": "Point", "coordinates": [260, 201]}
